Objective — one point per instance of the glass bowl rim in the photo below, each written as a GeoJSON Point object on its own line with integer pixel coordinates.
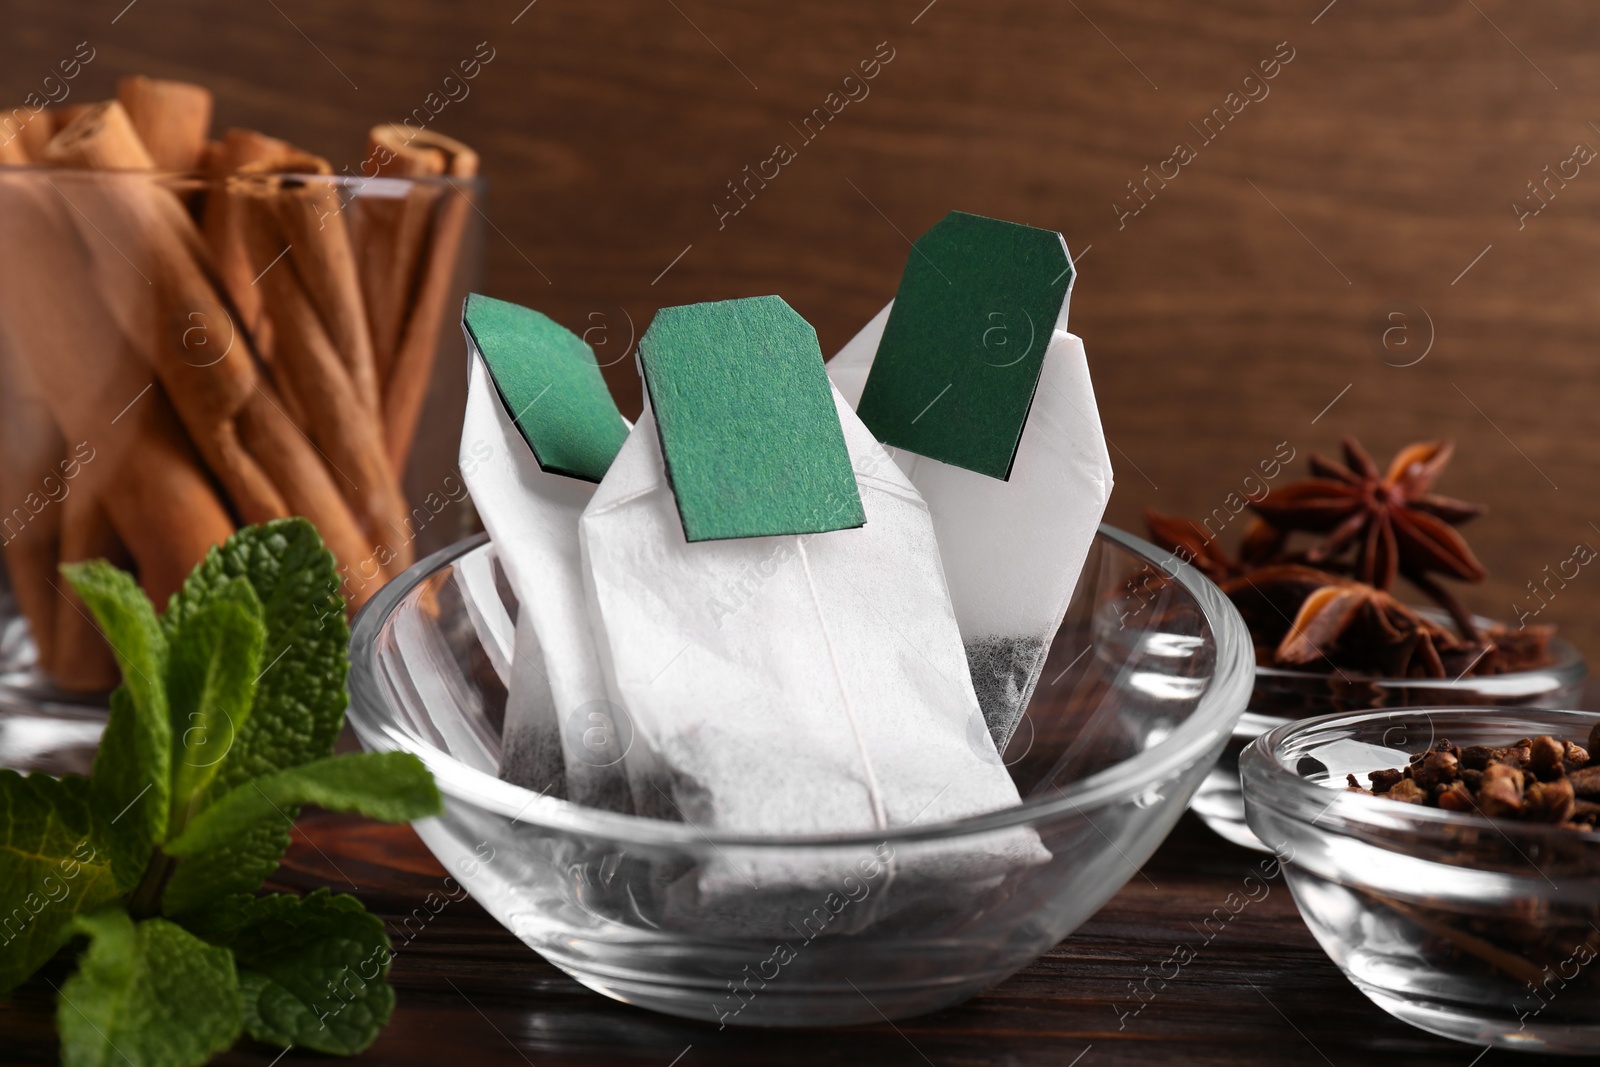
{"type": "Point", "coordinates": [1208, 725]}
{"type": "Point", "coordinates": [1263, 769]}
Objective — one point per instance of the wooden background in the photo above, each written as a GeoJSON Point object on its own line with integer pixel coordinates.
{"type": "Point", "coordinates": [1221, 320]}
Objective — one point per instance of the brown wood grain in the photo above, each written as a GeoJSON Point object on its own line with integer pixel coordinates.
{"type": "Point", "coordinates": [1260, 992]}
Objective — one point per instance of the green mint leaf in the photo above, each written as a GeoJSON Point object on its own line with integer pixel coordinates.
{"type": "Point", "coordinates": [128, 620]}
{"type": "Point", "coordinates": [300, 698]}
{"type": "Point", "coordinates": [151, 995]}
{"type": "Point", "coordinates": [311, 969]}
{"type": "Point", "coordinates": [213, 659]}
{"type": "Point", "coordinates": [389, 786]}
{"type": "Point", "coordinates": [129, 808]}
{"type": "Point", "coordinates": [129, 787]}
{"type": "Point", "coordinates": [239, 865]}
{"type": "Point", "coordinates": [50, 869]}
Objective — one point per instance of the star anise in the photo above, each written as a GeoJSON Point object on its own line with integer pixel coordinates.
{"type": "Point", "coordinates": [1300, 616]}
{"type": "Point", "coordinates": [1356, 625]}
{"type": "Point", "coordinates": [1194, 545]}
{"type": "Point", "coordinates": [1393, 520]}
{"type": "Point", "coordinates": [1269, 597]}
{"type": "Point", "coordinates": [1303, 617]}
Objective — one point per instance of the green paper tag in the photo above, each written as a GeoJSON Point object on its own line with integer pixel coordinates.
{"type": "Point", "coordinates": [956, 370]}
{"type": "Point", "coordinates": [551, 384]}
{"type": "Point", "coordinates": [748, 427]}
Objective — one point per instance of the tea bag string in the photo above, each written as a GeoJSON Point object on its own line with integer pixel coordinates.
{"type": "Point", "coordinates": [879, 815]}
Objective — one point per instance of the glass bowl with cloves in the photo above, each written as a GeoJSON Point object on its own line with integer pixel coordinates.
{"type": "Point", "coordinates": [1315, 578]}
{"type": "Point", "coordinates": [1448, 861]}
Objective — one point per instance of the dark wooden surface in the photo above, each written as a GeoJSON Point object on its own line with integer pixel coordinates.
{"type": "Point", "coordinates": [1221, 320]}
{"type": "Point", "coordinates": [1261, 992]}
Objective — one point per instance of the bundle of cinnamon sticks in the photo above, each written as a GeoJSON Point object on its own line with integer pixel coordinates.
{"type": "Point", "coordinates": [198, 334]}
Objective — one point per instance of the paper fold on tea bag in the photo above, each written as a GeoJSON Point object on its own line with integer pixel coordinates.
{"type": "Point", "coordinates": [747, 665]}
{"type": "Point", "coordinates": [849, 367]}
{"type": "Point", "coordinates": [559, 734]}
{"type": "Point", "coordinates": [787, 684]}
{"type": "Point", "coordinates": [1013, 550]}
{"type": "Point", "coordinates": [1012, 547]}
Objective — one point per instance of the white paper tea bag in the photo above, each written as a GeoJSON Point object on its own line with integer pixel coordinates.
{"type": "Point", "coordinates": [979, 300]}
{"type": "Point", "coordinates": [561, 735]}
{"type": "Point", "coordinates": [849, 367]}
{"type": "Point", "coordinates": [779, 678]}
{"type": "Point", "coordinates": [804, 682]}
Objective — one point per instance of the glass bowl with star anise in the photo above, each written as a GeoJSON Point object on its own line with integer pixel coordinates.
{"type": "Point", "coordinates": [1329, 631]}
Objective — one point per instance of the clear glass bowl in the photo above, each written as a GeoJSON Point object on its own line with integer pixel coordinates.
{"type": "Point", "coordinates": [1128, 717]}
{"type": "Point", "coordinates": [1481, 930]}
{"type": "Point", "coordinates": [1283, 696]}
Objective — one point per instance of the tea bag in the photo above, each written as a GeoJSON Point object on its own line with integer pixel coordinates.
{"type": "Point", "coordinates": [540, 430]}
{"type": "Point", "coordinates": [970, 376]}
{"type": "Point", "coordinates": [849, 367]}
{"type": "Point", "coordinates": [769, 602]}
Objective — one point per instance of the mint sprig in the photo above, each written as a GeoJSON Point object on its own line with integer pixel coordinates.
{"type": "Point", "coordinates": [131, 781]}
{"type": "Point", "coordinates": [146, 993]}
{"type": "Point", "coordinates": [51, 868]}
{"type": "Point", "coordinates": [222, 728]}
{"type": "Point", "coordinates": [300, 696]}
{"type": "Point", "coordinates": [213, 662]}
{"type": "Point", "coordinates": [311, 969]}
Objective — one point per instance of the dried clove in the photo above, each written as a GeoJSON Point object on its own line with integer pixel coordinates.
{"type": "Point", "coordinates": [1436, 769]}
{"type": "Point", "coordinates": [1586, 781]}
{"type": "Point", "coordinates": [1541, 945]}
{"type": "Point", "coordinates": [1549, 801]}
{"type": "Point", "coordinates": [1383, 781]}
{"type": "Point", "coordinates": [1540, 779]}
{"type": "Point", "coordinates": [1547, 758]}
{"type": "Point", "coordinates": [1407, 791]}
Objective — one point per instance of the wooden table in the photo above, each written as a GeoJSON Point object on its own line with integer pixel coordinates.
{"type": "Point", "coordinates": [1261, 992]}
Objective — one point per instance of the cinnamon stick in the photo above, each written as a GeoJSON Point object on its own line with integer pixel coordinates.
{"type": "Point", "coordinates": [220, 221]}
{"type": "Point", "coordinates": [30, 131]}
{"type": "Point", "coordinates": [246, 147]}
{"type": "Point", "coordinates": [82, 659]}
{"type": "Point", "coordinates": [14, 122]}
{"type": "Point", "coordinates": [267, 431]}
{"type": "Point", "coordinates": [62, 116]}
{"type": "Point", "coordinates": [35, 135]}
{"type": "Point", "coordinates": [392, 224]}
{"type": "Point", "coordinates": [31, 483]}
{"type": "Point", "coordinates": [337, 419]}
{"type": "Point", "coordinates": [310, 221]}
{"type": "Point", "coordinates": [162, 504]}
{"type": "Point", "coordinates": [172, 119]}
{"type": "Point", "coordinates": [412, 368]}
{"type": "Point", "coordinates": [101, 138]}
{"type": "Point", "coordinates": [270, 419]}
{"type": "Point", "coordinates": [12, 151]}
{"type": "Point", "coordinates": [99, 391]}
{"type": "Point", "coordinates": [175, 320]}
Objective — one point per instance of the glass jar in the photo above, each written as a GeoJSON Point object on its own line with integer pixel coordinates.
{"type": "Point", "coordinates": [184, 355]}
